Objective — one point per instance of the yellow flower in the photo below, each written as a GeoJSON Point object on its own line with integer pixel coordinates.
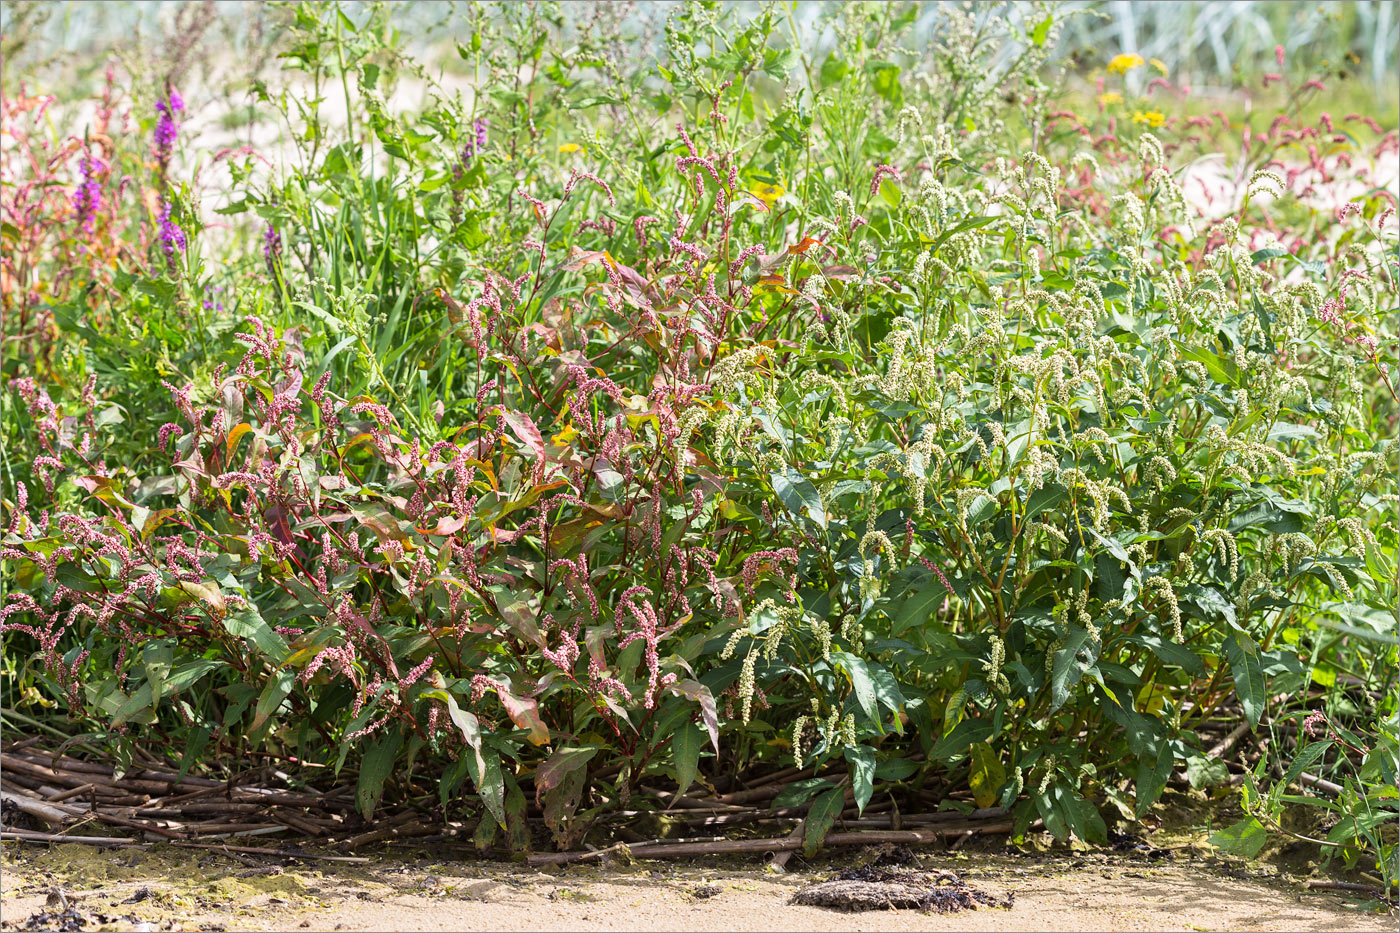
{"type": "Point", "coordinates": [1159, 65]}
{"type": "Point", "coordinates": [767, 193]}
{"type": "Point", "coordinates": [1112, 97]}
{"type": "Point", "coordinates": [1151, 117]}
{"type": "Point", "coordinates": [1122, 64]}
{"type": "Point", "coordinates": [570, 147]}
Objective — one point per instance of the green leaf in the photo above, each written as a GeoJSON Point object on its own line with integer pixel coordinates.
{"type": "Point", "coordinates": [918, 607]}
{"type": "Point", "coordinates": [248, 623]}
{"type": "Point", "coordinates": [466, 722]}
{"type": "Point", "coordinates": [686, 745]}
{"type": "Point", "coordinates": [799, 496]}
{"type": "Point", "coordinates": [452, 779]}
{"type": "Point", "coordinates": [1152, 777]}
{"type": "Point", "coordinates": [376, 767]}
{"type": "Point", "coordinates": [156, 659]}
{"type": "Point", "coordinates": [861, 758]}
{"type": "Point", "coordinates": [1248, 674]}
{"type": "Point", "coordinates": [799, 792]}
{"type": "Point", "coordinates": [833, 70]}
{"type": "Point", "coordinates": [1042, 31]}
{"type": "Point", "coordinates": [1081, 816]}
{"type": "Point", "coordinates": [1206, 772]}
{"type": "Point", "coordinates": [187, 674]}
{"type": "Point", "coordinates": [965, 733]}
{"type": "Point", "coordinates": [276, 690]}
{"type": "Point", "coordinates": [490, 784]}
{"type": "Point", "coordinates": [1053, 816]}
{"type": "Point", "coordinates": [1221, 369]}
{"type": "Point", "coordinates": [136, 707]}
{"type": "Point", "coordinates": [1169, 652]}
{"type": "Point", "coordinates": [1278, 516]}
{"type": "Point", "coordinates": [862, 684]}
{"type": "Point", "coordinates": [1079, 653]}
{"type": "Point", "coordinates": [516, 827]}
{"type": "Point", "coordinates": [820, 819]}
{"type": "Point", "coordinates": [1303, 759]}
{"type": "Point", "coordinates": [987, 774]}
{"type": "Point", "coordinates": [895, 769]}
{"type": "Point", "coordinates": [1244, 838]}
{"type": "Point", "coordinates": [890, 193]}
{"type": "Point", "coordinates": [884, 78]}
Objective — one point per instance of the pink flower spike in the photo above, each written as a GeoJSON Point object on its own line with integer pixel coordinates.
{"type": "Point", "coordinates": [881, 171]}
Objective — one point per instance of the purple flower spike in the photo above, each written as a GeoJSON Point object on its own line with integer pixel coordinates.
{"type": "Point", "coordinates": [87, 199]}
{"type": "Point", "coordinates": [171, 236]}
{"type": "Point", "coordinates": [168, 126]}
{"type": "Point", "coordinates": [272, 249]}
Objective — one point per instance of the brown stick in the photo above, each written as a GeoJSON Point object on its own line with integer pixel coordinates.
{"type": "Point", "coordinates": [736, 846]}
{"type": "Point", "coordinates": [72, 792]}
{"type": "Point", "coordinates": [761, 793]}
{"type": "Point", "coordinates": [133, 824]}
{"type": "Point", "coordinates": [299, 824]}
{"type": "Point", "coordinates": [223, 826]}
{"type": "Point", "coordinates": [1369, 890]}
{"type": "Point", "coordinates": [53, 816]}
{"type": "Point", "coordinates": [25, 835]}
{"type": "Point", "coordinates": [68, 779]}
{"type": "Point", "coordinates": [1317, 783]}
{"type": "Point", "coordinates": [778, 862]}
{"type": "Point", "coordinates": [390, 832]}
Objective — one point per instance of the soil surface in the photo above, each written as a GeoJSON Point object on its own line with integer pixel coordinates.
{"type": "Point", "coordinates": [422, 889]}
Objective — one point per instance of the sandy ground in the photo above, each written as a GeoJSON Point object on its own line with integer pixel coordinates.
{"type": "Point", "coordinates": [183, 890]}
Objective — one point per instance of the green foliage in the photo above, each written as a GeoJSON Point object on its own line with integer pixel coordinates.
{"type": "Point", "coordinates": [638, 424]}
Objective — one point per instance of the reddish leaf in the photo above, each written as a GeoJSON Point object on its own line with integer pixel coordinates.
{"type": "Point", "coordinates": [563, 761]}
{"type": "Point", "coordinates": [523, 427]}
{"type": "Point", "coordinates": [525, 713]}
{"type": "Point", "coordinates": [697, 691]}
{"type": "Point", "coordinates": [521, 618]}
{"type": "Point", "coordinates": [446, 525]}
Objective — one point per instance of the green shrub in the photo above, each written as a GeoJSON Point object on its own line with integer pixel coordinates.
{"type": "Point", "coordinates": [894, 423]}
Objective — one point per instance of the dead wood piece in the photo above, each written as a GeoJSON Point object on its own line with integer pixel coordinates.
{"type": "Point", "coordinates": [298, 823]}
{"type": "Point", "coordinates": [757, 794]}
{"type": "Point", "coordinates": [877, 887]}
{"type": "Point", "coordinates": [739, 846]}
{"type": "Point", "coordinates": [224, 826]}
{"type": "Point", "coordinates": [25, 835]}
{"type": "Point", "coordinates": [385, 833]}
{"type": "Point", "coordinates": [779, 860]}
{"type": "Point", "coordinates": [271, 853]}
{"type": "Point", "coordinates": [38, 809]}
{"type": "Point", "coordinates": [17, 764]}
{"type": "Point", "coordinates": [1322, 784]}
{"type": "Point", "coordinates": [72, 792]}
{"type": "Point", "coordinates": [1351, 887]}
